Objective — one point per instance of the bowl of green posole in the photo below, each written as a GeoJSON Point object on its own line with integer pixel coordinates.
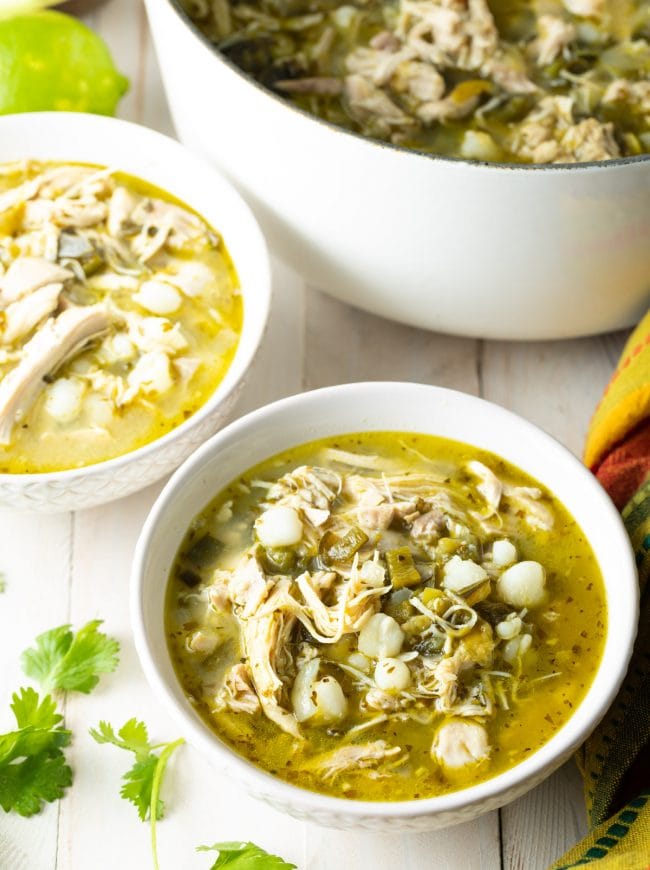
{"type": "Point", "coordinates": [378, 614]}
{"type": "Point", "coordinates": [134, 291]}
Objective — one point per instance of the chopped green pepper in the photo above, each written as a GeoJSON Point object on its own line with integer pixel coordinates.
{"type": "Point", "coordinates": [334, 549]}
{"type": "Point", "coordinates": [204, 552]}
{"type": "Point", "coordinates": [279, 560]}
{"type": "Point", "coordinates": [401, 568]}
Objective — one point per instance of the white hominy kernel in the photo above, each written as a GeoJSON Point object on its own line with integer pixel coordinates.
{"type": "Point", "coordinates": [460, 574]}
{"type": "Point", "coordinates": [523, 584]}
{"type": "Point", "coordinates": [279, 527]}
{"type": "Point", "coordinates": [151, 373]}
{"type": "Point", "coordinates": [381, 637]}
{"type": "Point", "coordinates": [117, 348]}
{"type": "Point", "coordinates": [302, 693]}
{"type": "Point", "coordinates": [63, 399]}
{"type": "Point", "coordinates": [360, 662]}
{"type": "Point", "coordinates": [158, 297]}
{"type": "Point", "coordinates": [392, 675]}
{"type": "Point", "coordinates": [504, 553]}
{"type": "Point", "coordinates": [516, 648]}
{"type": "Point", "coordinates": [99, 409]}
{"type": "Point", "coordinates": [509, 628]}
{"type": "Point", "coordinates": [331, 703]}
{"type": "Point", "coordinates": [372, 573]}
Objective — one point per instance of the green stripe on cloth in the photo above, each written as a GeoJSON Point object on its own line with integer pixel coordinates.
{"type": "Point", "coordinates": [615, 760]}
{"type": "Point", "coordinates": [620, 844]}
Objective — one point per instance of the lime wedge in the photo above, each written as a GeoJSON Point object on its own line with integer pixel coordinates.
{"type": "Point", "coordinates": [52, 62]}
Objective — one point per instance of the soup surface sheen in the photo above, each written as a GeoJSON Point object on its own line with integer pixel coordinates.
{"type": "Point", "coordinates": [120, 314]}
{"type": "Point", "coordinates": [525, 81]}
{"type": "Point", "coordinates": [385, 616]}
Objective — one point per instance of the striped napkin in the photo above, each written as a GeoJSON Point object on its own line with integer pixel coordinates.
{"type": "Point", "coordinates": [615, 761]}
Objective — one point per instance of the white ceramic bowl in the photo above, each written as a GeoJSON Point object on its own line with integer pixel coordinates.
{"type": "Point", "coordinates": [495, 251]}
{"type": "Point", "coordinates": [166, 163]}
{"type": "Point", "coordinates": [364, 407]}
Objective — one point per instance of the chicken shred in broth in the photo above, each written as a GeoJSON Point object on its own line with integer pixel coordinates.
{"type": "Point", "coordinates": [526, 81]}
{"type": "Point", "coordinates": [385, 616]}
{"type": "Point", "coordinates": [119, 314]}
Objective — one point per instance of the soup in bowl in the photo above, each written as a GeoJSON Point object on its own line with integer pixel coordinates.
{"type": "Point", "coordinates": [382, 624]}
{"type": "Point", "coordinates": [134, 289]}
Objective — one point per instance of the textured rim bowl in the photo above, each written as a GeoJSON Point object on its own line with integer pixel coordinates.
{"type": "Point", "coordinates": [162, 161]}
{"type": "Point", "coordinates": [365, 407]}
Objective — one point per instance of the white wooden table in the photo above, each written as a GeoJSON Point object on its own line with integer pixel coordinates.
{"type": "Point", "coordinates": [75, 567]}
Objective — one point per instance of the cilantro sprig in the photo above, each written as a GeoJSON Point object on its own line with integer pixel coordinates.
{"type": "Point", "coordinates": [71, 662]}
{"type": "Point", "coordinates": [245, 856]}
{"type": "Point", "coordinates": [33, 768]}
{"type": "Point", "coordinates": [142, 782]}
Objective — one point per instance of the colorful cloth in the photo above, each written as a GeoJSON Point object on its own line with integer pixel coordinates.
{"type": "Point", "coordinates": [615, 760]}
{"type": "Point", "coordinates": [618, 443]}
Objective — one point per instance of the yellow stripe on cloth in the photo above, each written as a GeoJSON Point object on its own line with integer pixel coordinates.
{"type": "Point", "coordinates": [618, 844]}
{"type": "Point", "coordinates": [626, 401]}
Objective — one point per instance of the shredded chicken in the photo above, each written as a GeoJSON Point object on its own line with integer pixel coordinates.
{"type": "Point", "coordinates": [549, 134]}
{"type": "Point", "coordinates": [458, 744]}
{"type": "Point", "coordinates": [555, 34]}
{"type": "Point", "coordinates": [264, 637]}
{"type": "Point", "coordinates": [368, 102]}
{"type": "Point", "coordinates": [237, 691]}
{"type": "Point", "coordinates": [54, 343]}
{"type": "Point", "coordinates": [475, 649]}
{"type": "Point", "coordinates": [526, 499]}
{"type": "Point", "coordinates": [634, 94]}
{"type": "Point", "coordinates": [585, 8]}
{"type": "Point", "coordinates": [371, 755]}
{"type": "Point", "coordinates": [249, 587]}
{"type": "Point", "coordinates": [27, 274]}
{"type": "Point", "coordinates": [459, 33]}
{"type": "Point", "coordinates": [22, 316]}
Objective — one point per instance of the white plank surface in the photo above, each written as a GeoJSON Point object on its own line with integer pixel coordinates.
{"type": "Point", "coordinates": [75, 568]}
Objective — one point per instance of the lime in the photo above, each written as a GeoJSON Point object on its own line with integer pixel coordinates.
{"type": "Point", "coordinates": [52, 62]}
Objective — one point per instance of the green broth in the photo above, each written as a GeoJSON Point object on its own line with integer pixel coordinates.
{"type": "Point", "coordinates": [568, 632]}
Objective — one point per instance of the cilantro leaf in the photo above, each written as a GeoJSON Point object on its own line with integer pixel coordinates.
{"type": "Point", "coordinates": [139, 780]}
{"type": "Point", "coordinates": [245, 856]}
{"type": "Point", "coordinates": [33, 768]}
{"type": "Point", "coordinates": [71, 662]}
{"type": "Point", "coordinates": [26, 785]}
{"type": "Point", "coordinates": [29, 709]}
{"type": "Point", "coordinates": [142, 782]}
{"type": "Point", "coordinates": [132, 735]}
{"type": "Point", "coordinates": [138, 785]}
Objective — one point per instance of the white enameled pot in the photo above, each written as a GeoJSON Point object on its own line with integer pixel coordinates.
{"type": "Point", "coordinates": [162, 161]}
{"type": "Point", "coordinates": [495, 251]}
{"type": "Point", "coordinates": [377, 407]}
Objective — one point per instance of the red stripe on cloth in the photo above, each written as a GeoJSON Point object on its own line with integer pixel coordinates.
{"type": "Point", "coordinates": [625, 468]}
